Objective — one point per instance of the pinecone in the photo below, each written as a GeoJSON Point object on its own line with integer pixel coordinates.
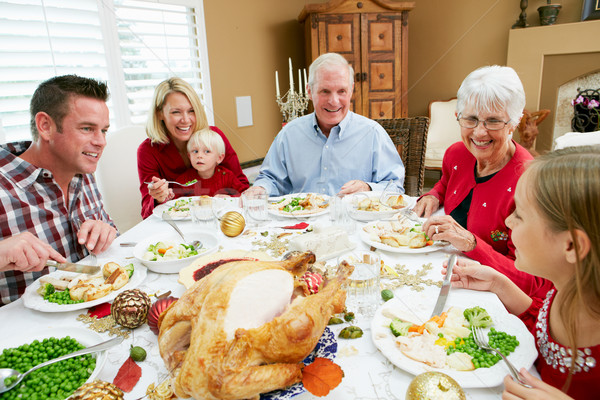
{"type": "Point", "coordinates": [130, 308]}
{"type": "Point", "coordinates": [97, 390]}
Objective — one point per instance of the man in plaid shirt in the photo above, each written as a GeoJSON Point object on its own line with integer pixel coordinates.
{"type": "Point", "coordinates": [50, 206]}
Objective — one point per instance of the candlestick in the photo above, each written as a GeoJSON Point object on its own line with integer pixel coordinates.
{"type": "Point", "coordinates": [277, 84]}
{"type": "Point", "coordinates": [299, 82]}
{"type": "Point", "coordinates": [291, 76]}
{"type": "Point", "coordinates": [305, 82]}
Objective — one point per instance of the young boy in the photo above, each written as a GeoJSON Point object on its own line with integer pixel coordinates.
{"type": "Point", "coordinates": [206, 150]}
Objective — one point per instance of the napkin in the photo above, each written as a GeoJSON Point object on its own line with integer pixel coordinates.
{"type": "Point", "coordinates": [100, 311]}
{"type": "Point", "coordinates": [301, 225]}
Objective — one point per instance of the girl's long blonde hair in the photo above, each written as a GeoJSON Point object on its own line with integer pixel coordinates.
{"type": "Point", "coordinates": [566, 187]}
{"type": "Point", "coordinates": [155, 128]}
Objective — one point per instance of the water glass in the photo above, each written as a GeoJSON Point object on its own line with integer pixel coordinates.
{"type": "Point", "coordinates": [362, 287]}
{"type": "Point", "coordinates": [202, 213]}
{"type": "Point", "coordinates": [338, 213]}
{"type": "Point", "coordinates": [256, 207]}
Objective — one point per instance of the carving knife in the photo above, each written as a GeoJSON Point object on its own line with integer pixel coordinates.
{"type": "Point", "coordinates": [441, 301]}
{"type": "Point", "coordinates": [72, 267]}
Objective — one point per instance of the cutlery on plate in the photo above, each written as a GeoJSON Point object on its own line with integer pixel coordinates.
{"type": "Point", "coordinates": [150, 184]}
{"type": "Point", "coordinates": [8, 372]}
{"type": "Point", "coordinates": [196, 244]}
{"type": "Point", "coordinates": [481, 340]}
{"type": "Point", "coordinates": [441, 301]}
{"type": "Point", "coordinates": [92, 257]}
{"type": "Point", "coordinates": [72, 267]}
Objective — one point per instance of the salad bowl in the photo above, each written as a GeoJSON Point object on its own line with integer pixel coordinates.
{"type": "Point", "coordinates": [173, 261]}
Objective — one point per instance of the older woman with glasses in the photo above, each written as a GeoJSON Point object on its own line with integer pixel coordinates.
{"type": "Point", "coordinates": [479, 175]}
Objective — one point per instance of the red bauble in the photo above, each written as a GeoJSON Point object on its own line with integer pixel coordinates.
{"type": "Point", "coordinates": [157, 308]}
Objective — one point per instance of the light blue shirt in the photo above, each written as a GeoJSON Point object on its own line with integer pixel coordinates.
{"type": "Point", "coordinates": [302, 160]}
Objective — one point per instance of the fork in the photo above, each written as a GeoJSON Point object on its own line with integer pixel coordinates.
{"type": "Point", "coordinates": [481, 340]}
{"type": "Point", "coordinates": [93, 260]}
{"type": "Point", "coordinates": [151, 184]}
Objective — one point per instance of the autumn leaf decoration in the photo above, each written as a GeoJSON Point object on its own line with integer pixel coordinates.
{"type": "Point", "coordinates": [322, 376]}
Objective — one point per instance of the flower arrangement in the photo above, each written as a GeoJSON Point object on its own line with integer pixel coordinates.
{"type": "Point", "coordinates": [587, 111]}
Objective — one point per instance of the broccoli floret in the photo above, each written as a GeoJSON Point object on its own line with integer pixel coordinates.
{"type": "Point", "coordinates": [399, 327]}
{"type": "Point", "coordinates": [478, 317]}
{"type": "Point", "coordinates": [46, 290]}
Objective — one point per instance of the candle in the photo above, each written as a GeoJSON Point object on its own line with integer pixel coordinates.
{"type": "Point", "coordinates": [305, 81]}
{"type": "Point", "coordinates": [277, 84]}
{"type": "Point", "coordinates": [291, 77]}
{"type": "Point", "coordinates": [299, 82]}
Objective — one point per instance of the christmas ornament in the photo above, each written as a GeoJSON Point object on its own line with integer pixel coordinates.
{"type": "Point", "coordinates": [232, 223]}
{"type": "Point", "coordinates": [130, 308]}
{"type": "Point", "coordinates": [434, 385]}
{"type": "Point", "coordinates": [157, 308]}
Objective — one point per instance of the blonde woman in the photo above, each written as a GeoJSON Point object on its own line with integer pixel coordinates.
{"type": "Point", "coordinates": [556, 231]}
{"type": "Point", "coordinates": [176, 113]}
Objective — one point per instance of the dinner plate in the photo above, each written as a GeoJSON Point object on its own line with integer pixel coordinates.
{"type": "Point", "coordinates": [421, 306]}
{"type": "Point", "coordinates": [436, 246]}
{"type": "Point", "coordinates": [362, 215]}
{"type": "Point", "coordinates": [274, 207]}
{"type": "Point", "coordinates": [33, 300]}
{"type": "Point", "coordinates": [85, 337]}
{"type": "Point", "coordinates": [326, 348]}
{"type": "Point", "coordinates": [180, 216]}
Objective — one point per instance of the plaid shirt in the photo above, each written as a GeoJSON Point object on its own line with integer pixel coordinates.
{"type": "Point", "coordinates": [31, 200]}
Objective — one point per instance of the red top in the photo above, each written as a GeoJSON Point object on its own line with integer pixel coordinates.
{"type": "Point", "coordinates": [164, 161]}
{"type": "Point", "coordinates": [554, 360]}
{"type": "Point", "coordinates": [222, 182]}
{"type": "Point", "coordinates": [492, 202]}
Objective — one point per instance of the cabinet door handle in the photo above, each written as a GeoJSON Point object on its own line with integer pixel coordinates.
{"type": "Point", "coordinates": [363, 76]}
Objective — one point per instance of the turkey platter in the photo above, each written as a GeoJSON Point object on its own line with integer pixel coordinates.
{"type": "Point", "coordinates": [245, 328]}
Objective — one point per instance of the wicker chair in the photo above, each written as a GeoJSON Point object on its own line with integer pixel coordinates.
{"type": "Point", "coordinates": [410, 137]}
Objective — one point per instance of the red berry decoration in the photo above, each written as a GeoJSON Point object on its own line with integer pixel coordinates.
{"type": "Point", "coordinates": [157, 308]}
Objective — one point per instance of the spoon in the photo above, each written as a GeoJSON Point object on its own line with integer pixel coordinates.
{"type": "Point", "coordinates": [8, 372]}
{"type": "Point", "coordinates": [196, 244]}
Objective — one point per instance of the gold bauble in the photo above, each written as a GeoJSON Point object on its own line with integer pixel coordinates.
{"type": "Point", "coordinates": [232, 223]}
{"type": "Point", "coordinates": [434, 385]}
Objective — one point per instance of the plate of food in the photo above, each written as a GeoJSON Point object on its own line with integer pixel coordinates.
{"type": "Point", "coordinates": [178, 209]}
{"type": "Point", "coordinates": [399, 235]}
{"type": "Point", "coordinates": [370, 206]}
{"type": "Point", "coordinates": [299, 205]}
{"type": "Point", "coordinates": [60, 341]}
{"type": "Point", "coordinates": [90, 290]}
{"type": "Point", "coordinates": [326, 348]}
{"type": "Point", "coordinates": [436, 347]}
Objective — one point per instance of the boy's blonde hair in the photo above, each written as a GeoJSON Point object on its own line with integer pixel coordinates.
{"type": "Point", "coordinates": [208, 138]}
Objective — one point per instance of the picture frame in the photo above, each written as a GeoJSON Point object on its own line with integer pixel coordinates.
{"type": "Point", "coordinates": [590, 10]}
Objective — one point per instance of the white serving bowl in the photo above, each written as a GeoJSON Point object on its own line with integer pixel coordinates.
{"type": "Point", "coordinates": [209, 244]}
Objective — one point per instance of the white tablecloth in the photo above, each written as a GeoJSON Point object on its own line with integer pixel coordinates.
{"type": "Point", "coordinates": [368, 374]}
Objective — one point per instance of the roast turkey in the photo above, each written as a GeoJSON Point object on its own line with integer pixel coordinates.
{"type": "Point", "coordinates": [244, 329]}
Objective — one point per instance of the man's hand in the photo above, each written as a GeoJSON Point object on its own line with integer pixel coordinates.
{"type": "Point", "coordinates": [426, 206]}
{"type": "Point", "coordinates": [354, 187]}
{"type": "Point", "coordinates": [159, 190]}
{"type": "Point", "coordinates": [540, 390]}
{"type": "Point", "coordinates": [26, 252]}
{"type": "Point", "coordinates": [97, 236]}
{"type": "Point", "coordinates": [255, 190]}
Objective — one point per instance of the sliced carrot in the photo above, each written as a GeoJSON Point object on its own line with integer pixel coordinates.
{"type": "Point", "coordinates": [163, 251]}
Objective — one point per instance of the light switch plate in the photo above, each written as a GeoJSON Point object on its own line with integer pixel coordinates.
{"type": "Point", "coordinates": [244, 111]}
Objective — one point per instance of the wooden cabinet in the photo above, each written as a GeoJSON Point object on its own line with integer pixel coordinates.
{"type": "Point", "coordinates": [373, 36]}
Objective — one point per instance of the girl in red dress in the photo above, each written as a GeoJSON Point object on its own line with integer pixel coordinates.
{"type": "Point", "coordinates": [556, 232]}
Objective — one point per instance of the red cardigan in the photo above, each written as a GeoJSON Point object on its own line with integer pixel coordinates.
{"type": "Point", "coordinates": [492, 202]}
{"type": "Point", "coordinates": [164, 161]}
{"type": "Point", "coordinates": [222, 182]}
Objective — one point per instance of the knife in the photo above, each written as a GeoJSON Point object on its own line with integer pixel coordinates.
{"type": "Point", "coordinates": [441, 301]}
{"type": "Point", "coordinates": [72, 267]}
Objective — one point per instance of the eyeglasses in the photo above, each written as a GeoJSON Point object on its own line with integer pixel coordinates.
{"type": "Point", "coordinates": [490, 124]}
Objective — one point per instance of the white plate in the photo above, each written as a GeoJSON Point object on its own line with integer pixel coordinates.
{"type": "Point", "coordinates": [361, 215]}
{"type": "Point", "coordinates": [422, 305]}
{"type": "Point", "coordinates": [274, 207]}
{"type": "Point", "coordinates": [85, 337]}
{"type": "Point", "coordinates": [209, 244]}
{"type": "Point", "coordinates": [158, 210]}
{"type": "Point", "coordinates": [436, 246]}
{"type": "Point", "coordinates": [32, 299]}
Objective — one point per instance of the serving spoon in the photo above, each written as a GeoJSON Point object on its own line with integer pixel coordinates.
{"type": "Point", "coordinates": [196, 244]}
{"type": "Point", "coordinates": [8, 372]}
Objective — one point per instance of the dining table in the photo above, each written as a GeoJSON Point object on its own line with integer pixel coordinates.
{"type": "Point", "coordinates": [368, 374]}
